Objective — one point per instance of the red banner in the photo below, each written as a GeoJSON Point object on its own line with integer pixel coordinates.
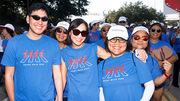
{"type": "Point", "coordinates": [174, 4]}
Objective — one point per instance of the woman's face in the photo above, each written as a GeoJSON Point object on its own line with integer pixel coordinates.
{"type": "Point", "coordinates": [117, 46]}
{"type": "Point", "coordinates": [61, 34]}
{"type": "Point", "coordinates": [96, 26]}
{"type": "Point", "coordinates": [155, 32]}
{"type": "Point", "coordinates": [139, 40]}
{"type": "Point", "coordinates": [104, 31]}
{"type": "Point", "coordinates": [78, 40]}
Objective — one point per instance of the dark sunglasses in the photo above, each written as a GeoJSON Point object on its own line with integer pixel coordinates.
{"type": "Point", "coordinates": [144, 38]}
{"type": "Point", "coordinates": [158, 31]}
{"type": "Point", "coordinates": [105, 30]}
{"type": "Point", "coordinates": [122, 21]}
{"type": "Point", "coordinates": [59, 30]}
{"type": "Point", "coordinates": [76, 32]}
{"type": "Point", "coordinates": [36, 17]}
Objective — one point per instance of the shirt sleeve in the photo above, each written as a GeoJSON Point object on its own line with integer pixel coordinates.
{"type": "Point", "coordinates": [57, 55]}
{"type": "Point", "coordinates": [155, 71]}
{"type": "Point", "coordinates": [9, 57]}
{"type": "Point", "coordinates": [143, 72]}
{"type": "Point", "coordinates": [100, 73]}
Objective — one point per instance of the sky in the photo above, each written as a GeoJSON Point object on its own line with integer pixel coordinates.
{"type": "Point", "coordinates": [97, 7]}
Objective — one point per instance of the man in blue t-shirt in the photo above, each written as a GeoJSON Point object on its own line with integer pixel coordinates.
{"type": "Point", "coordinates": [32, 63]}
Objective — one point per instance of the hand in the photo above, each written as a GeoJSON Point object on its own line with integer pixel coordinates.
{"type": "Point", "coordinates": [141, 54]}
{"type": "Point", "coordinates": [168, 67]}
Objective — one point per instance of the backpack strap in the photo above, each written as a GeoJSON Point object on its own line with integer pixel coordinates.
{"type": "Point", "coordinates": [103, 64]}
{"type": "Point", "coordinates": [133, 59]}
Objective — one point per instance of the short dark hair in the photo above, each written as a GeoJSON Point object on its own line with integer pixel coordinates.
{"type": "Point", "coordinates": [37, 6]}
{"type": "Point", "coordinates": [74, 24]}
{"type": "Point", "coordinates": [107, 49]}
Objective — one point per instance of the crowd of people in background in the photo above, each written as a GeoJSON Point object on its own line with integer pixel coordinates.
{"type": "Point", "coordinates": [78, 61]}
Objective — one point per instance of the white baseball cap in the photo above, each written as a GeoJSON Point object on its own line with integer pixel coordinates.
{"type": "Point", "coordinates": [132, 24]}
{"type": "Point", "coordinates": [62, 24]}
{"type": "Point", "coordinates": [140, 28]}
{"type": "Point", "coordinates": [94, 21]}
{"type": "Point", "coordinates": [105, 24]}
{"type": "Point", "coordinates": [162, 24]}
{"type": "Point", "coordinates": [117, 31]}
{"type": "Point", "coordinates": [122, 18]}
{"type": "Point", "coordinates": [9, 26]}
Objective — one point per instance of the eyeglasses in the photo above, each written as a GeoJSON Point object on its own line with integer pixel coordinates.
{"type": "Point", "coordinates": [158, 31]}
{"type": "Point", "coordinates": [122, 21]}
{"type": "Point", "coordinates": [59, 30]}
{"type": "Point", "coordinates": [36, 17]}
{"type": "Point", "coordinates": [76, 32]}
{"type": "Point", "coordinates": [105, 30]}
{"type": "Point", "coordinates": [114, 40]}
{"type": "Point", "coordinates": [144, 38]}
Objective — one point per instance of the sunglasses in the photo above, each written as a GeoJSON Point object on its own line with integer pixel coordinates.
{"type": "Point", "coordinates": [114, 40]}
{"type": "Point", "coordinates": [158, 31]}
{"type": "Point", "coordinates": [105, 30]}
{"type": "Point", "coordinates": [76, 32]}
{"type": "Point", "coordinates": [36, 17]}
{"type": "Point", "coordinates": [122, 21]}
{"type": "Point", "coordinates": [144, 38]}
{"type": "Point", "coordinates": [59, 30]}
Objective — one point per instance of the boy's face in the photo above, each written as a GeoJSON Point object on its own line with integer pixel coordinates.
{"type": "Point", "coordinates": [36, 25]}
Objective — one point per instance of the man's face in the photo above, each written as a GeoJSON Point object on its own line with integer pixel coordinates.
{"type": "Point", "coordinates": [123, 23]}
{"type": "Point", "coordinates": [37, 25]}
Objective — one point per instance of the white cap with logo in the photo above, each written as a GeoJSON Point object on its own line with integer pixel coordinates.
{"type": "Point", "coordinates": [117, 31]}
{"type": "Point", "coordinates": [62, 24]}
{"type": "Point", "coordinates": [140, 28]}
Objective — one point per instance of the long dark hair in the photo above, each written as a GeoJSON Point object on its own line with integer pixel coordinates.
{"type": "Point", "coordinates": [74, 24]}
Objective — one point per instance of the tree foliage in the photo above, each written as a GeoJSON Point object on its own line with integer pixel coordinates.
{"type": "Point", "coordinates": [14, 11]}
{"type": "Point", "coordinates": [135, 13]}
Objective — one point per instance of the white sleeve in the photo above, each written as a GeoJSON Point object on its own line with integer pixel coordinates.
{"type": "Point", "coordinates": [148, 90]}
{"type": "Point", "coordinates": [101, 94]}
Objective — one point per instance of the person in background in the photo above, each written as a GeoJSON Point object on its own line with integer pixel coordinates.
{"type": "Point", "coordinates": [123, 21]}
{"type": "Point", "coordinates": [79, 61]}
{"type": "Point", "coordinates": [2, 37]}
{"type": "Point", "coordinates": [175, 40]}
{"type": "Point", "coordinates": [18, 31]}
{"type": "Point", "coordinates": [49, 29]}
{"type": "Point", "coordinates": [132, 26]}
{"type": "Point", "coordinates": [164, 36]}
{"type": "Point", "coordinates": [104, 30]}
{"type": "Point", "coordinates": [155, 43]}
{"type": "Point", "coordinates": [32, 62]}
{"type": "Point", "coordinates": [60, 34]}
{"type": "Point", "coordinates": [94, 33]}
{"type": "Point", "coordinates": [121, 75]}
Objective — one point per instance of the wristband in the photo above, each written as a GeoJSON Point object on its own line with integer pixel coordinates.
{"type": "Point", "coordinates": [166, 75]}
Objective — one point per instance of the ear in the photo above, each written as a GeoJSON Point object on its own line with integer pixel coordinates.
{"type": "Point", "coordinates": [27, 19]}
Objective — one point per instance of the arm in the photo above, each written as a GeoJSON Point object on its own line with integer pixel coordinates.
{"type": "Point", "coordinates": [174, 38]}
{"type": "Point", "coordinates": [148, 91]}
{"type": "Point", "coordinates": [102, 53]}
{"type": "Point", "coordinates": [58, 82]}
{"type": "Point", "coordinates": [63, 72]}
{"type": "Point", "coordinates": [160, 79]}
{"type": "Point", "coordinates": [9, 82]}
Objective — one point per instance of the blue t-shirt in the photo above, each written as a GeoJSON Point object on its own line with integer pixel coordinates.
{"type": "Point", "coordinates": [33, 60]}
{"type": "Point", "coordinates": [129, 33]}
{"type": "Point", "coordinates": [4, 44]}
{"type": "Point", "coordinates": [121, 79]}
{"type": "Point", "coordinates": [93, 36]}
{"type": "Point", "coordinates": [82, 73]}
{"type": "Point", "coordinates": [165, 38]}
{"type": "Point", "coordinates": [176, 45]}
{"type": "Point", "coordinates": [100, 43]}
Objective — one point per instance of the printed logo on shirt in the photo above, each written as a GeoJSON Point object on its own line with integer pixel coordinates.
{"type": "Point", "coordinates": [33, 58]}
{"type": "Point", "coordinates": [114, 73]}
{"type": "Point", "coordinates": [151, 49]}
{"type": "Point", "coordinates": [79, 64]}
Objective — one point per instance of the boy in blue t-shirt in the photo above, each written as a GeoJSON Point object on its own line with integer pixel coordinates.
{"type": "Point", "coordinates": [32, 62]}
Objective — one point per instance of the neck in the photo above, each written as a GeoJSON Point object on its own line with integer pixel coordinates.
{"type": "Point", "coordinates": [93, 30]}
{"type": "Point", "coordinates": [33, 36]}
{"type": "Point", "coordinates": [62, 45]}
{"type": "Point", "coordinates": [77, 47]}
{"type": "Point", "coordinates": [154, 40]}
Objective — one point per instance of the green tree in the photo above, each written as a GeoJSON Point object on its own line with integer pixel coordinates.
{"type": "Point", "coordinates": [135, 13]}
{"type": "Point", "coordinates": [14, 11]}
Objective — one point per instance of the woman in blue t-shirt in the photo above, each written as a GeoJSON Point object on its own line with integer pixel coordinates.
{"type": "Point", "coordinates": [60, 34]}
{"type": "Point", "coordinates": [140, 40]}
{"type": "Point", "coordinates": [155, 43]}
{"type": "Point", "coordinates": [123, 74]}
{"type": "Point", "coordinates": [79, 61]}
